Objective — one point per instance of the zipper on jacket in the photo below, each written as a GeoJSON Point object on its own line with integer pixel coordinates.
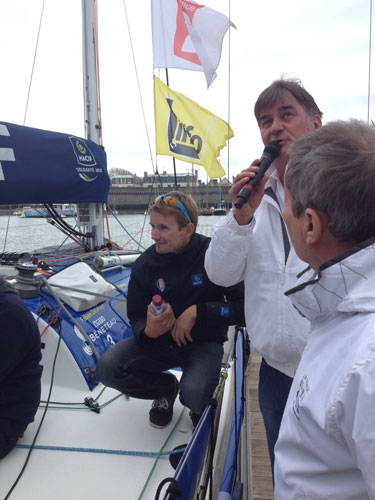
{"type": "Point", "coordinates": [270, 192]}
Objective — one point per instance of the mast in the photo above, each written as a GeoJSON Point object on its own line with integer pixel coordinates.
{"type": "Point", "coordinates": [90, 215]}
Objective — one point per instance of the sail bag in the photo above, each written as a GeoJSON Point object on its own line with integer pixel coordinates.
{"type": "Point", "coordinates": [81, 287]}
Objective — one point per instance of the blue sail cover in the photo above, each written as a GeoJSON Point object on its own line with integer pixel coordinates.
{"type": "Point", "coordinates": [39, 166]}
{"type": "Point", "coordinates": [105, 323]}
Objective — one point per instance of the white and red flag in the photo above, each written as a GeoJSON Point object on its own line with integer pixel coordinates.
{"type": "Point", "coordinates": [187, 35]}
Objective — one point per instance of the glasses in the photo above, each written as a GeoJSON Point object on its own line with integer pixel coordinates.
{"type": "Point", "coordinates": [171, 201]}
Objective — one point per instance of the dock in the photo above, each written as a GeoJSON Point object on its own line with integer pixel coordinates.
{"type": "Point", "coordinates": [261, 468]}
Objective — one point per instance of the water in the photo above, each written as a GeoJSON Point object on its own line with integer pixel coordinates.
{"type": "Point", "coordinates": [26, 235]}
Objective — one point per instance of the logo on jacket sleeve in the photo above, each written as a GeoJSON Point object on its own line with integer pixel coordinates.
{"type": "Point", "coordinates": [161, 284]}
{"type": "Point", "coordinates": [303, 388]}
{"type": "Point", "coordinates": [224, 311]}
{"type": "Point", "coordinates": [197, 279]}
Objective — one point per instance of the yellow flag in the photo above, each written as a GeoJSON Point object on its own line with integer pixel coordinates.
{"type": "Point", "coordinates": [187, 131]}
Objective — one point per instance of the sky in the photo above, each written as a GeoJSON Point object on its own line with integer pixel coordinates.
{"type": "Point", "coordinates": [324, 44]}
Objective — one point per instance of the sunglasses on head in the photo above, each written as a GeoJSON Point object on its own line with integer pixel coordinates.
{"type": "Point", "coordinates": [172, 201]}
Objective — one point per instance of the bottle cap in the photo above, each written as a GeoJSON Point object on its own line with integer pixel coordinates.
{"type": "Point", "coordinates": [157, 300]}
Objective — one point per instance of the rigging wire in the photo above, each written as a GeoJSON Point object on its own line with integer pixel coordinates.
{"type": "Point", "coordinates": [62, 243]}
{"type": "Point", "coordinates": [229, 83]}
{"type": "Point", "coordinates": [369, 66]}
{"type": "Point", "coordinates": [33, 66]}
{"type": "Point", "coordinates": [6, 233]}
{"type": "Point", "coordinates": [173, 158]}
{"type": "Point", "coordinates": [124, 228]}
{"type": "Point", "coordinates": [148, 206]}
{"type": "Point", "coordinates": [68, 235]}
{"type": "Point", "coordinates": [96, 41]}
{"type": "Point", "coordinates": [139, 87]}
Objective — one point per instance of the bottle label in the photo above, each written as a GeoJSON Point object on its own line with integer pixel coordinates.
{"type": "Point", "coordinates": [158, 309]}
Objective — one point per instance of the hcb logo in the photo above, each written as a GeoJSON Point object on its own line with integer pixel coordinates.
{"type": "Point", "coordinates": [179, 134]}
{"type": "Point", "coordinates": [85, 159]}
{"type": "Point", "coordinates": [82, 151]}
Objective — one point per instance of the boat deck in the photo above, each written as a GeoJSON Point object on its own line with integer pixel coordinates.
{"type": "Point", "coordinates": [261, 468]}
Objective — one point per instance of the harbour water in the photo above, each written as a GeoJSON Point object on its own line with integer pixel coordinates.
{"type": "Point", "coordinates": [26, 235]}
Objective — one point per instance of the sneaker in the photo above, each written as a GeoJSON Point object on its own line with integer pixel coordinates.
{"type": "Point", "coordinates": [161, 412]}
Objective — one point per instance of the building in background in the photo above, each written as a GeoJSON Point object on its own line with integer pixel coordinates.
{"type": "Point", "coordinates": [122, 178]}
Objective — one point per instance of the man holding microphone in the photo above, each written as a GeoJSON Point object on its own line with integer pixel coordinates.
{"type": "Point", "coordinates": [252, 244]}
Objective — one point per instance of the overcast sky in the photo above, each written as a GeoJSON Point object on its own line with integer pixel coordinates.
{"type": "Point", "coordinates": [324, 43]}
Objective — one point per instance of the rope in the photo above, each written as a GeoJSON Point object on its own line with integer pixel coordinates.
{"type": "Point", "coordinates": [157, 455]}
{"type": "Point", "coordinates": [162, 448]}
{"type": "Point", "coordinates": [78, 406]}
{"type": "Point", "coordinates": [107, 223]}
{"type": "Point", "coordinates": [73, 320]}
{"type": "Point", "coordinates": [173, 490]}
{"type": "Point", "coordinates": [101, 450]}
{"type": "Point", "coordinates": [32, 446]}
{"type": "Point", "coordinates": [130, 239]}
{"type": "Point", "coordinates": [95, 294]}
{"type": "Point", "coordinates": [61, 222]}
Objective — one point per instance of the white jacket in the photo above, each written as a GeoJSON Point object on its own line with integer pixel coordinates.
{"type": "Point", "coordinates": [262, 256]}
{"type": "Point", "coordinates": [326, 445]}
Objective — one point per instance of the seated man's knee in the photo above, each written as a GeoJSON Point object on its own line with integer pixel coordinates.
{"type": "Point", "coordinates": [111, 362]}
{"type": "Point", "coordinates": [105, 369]}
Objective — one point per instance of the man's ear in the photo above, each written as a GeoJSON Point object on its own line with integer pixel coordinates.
{"type": "Point", "coordinates": [190, 229]}
{"type": "Point", "coordinates": [315, 224]}
{"type": "Point", "coordinates": [316, 122]}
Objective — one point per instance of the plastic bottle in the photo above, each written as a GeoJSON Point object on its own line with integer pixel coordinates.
{"type": "Point", "coordinates": [158, 305]}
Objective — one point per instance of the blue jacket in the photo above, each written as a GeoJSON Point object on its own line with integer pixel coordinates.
{"type": "Point", "coordinates": [182, 281]}
{"type": "Point", "coordinates": [20, 371]}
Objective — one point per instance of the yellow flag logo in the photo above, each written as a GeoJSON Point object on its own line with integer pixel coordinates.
{"type": "Point", "coordinates": [187, 131]}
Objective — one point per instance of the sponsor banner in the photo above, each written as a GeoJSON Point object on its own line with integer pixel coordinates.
{"type": "Point", "coordinates": [40, 166]}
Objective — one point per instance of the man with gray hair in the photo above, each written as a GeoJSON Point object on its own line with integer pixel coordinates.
{"type": "Point", "coordinates": [326, 445]}
{"type": "Point", "coordinates": [252, 244]}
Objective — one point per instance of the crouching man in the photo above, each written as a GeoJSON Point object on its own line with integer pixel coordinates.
{"type": "Point", "coordinates": [326, 445]}
{"type": "Point", "coordinates": [191, 331]}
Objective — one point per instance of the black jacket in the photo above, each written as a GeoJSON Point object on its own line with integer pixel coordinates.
{"type": "Point", "coordinates": [20, 371]}
{"type": "Point", "coordinates": [182, 281]}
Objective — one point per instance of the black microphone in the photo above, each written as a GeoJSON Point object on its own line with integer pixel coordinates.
{"type": "Point", "coordinates": [270, 153]}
